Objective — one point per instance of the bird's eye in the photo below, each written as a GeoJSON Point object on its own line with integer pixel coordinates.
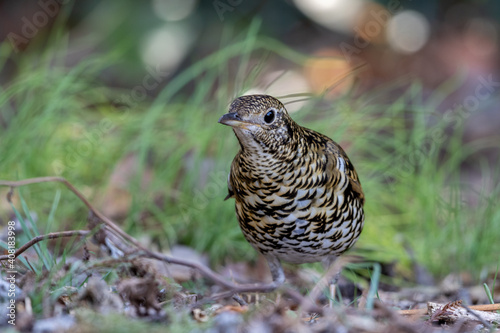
{"type": "Point", "coordinates": [269, 117]}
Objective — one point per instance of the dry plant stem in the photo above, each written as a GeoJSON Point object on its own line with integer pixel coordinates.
{"type": "Point", "coordinates": [413, 312]}
{"type": "Point", "coordinates": [482, 307]}
{"type": "Point", "coordinates": [486, 307]}
{"type": "Point", "coordinates": [209, 274]}
{"type": "Point", "coordinates": [324, 282]}
{"type": "Point", "coordinates": [475, 314]}
{"type": "Point", "coordinates": [205, 271]}
{"type": "Point", "coordinates": [108, 222]}
{"type": "Point", "coordinates": [40, 238]}
{"type": "Point", "coordinates": [239, 300]}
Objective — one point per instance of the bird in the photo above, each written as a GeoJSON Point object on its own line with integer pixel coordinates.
{"type": "Point", "coordinates": [298, 197]}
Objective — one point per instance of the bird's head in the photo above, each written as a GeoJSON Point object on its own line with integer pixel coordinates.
{"type": "Point", "coordinates": [260, 122]}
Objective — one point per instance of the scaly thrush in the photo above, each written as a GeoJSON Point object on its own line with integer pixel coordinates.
{"type": "Point", "coordinates": [298, 196]}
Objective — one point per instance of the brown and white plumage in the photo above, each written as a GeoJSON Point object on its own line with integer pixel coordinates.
{"type": "Point", "coordinates": [298, 196]}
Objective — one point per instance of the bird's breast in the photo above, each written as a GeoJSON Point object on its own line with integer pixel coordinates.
{"type": "Point", "coordinates": [297, 211]}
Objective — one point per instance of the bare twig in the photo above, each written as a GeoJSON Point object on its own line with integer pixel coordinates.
{"type": "Point", "coordinates": [209, 274]}
{"type": "Point", "coordinates": [480, 318]}
{"type": "Point", "coordinates": [481, 307]}
{"type": "Point", "coordinates": [239, 300]}
{"type": "Point", "coordinates": [108, 222]}
{"type": "Point", "coordinates": [413, 312]}
{"type": "Point", "coordinates": [486, 307]}
{"type": "Point", "coordinates": [332, 271]}
{"type": "Point", "coordinates": [40, 238]}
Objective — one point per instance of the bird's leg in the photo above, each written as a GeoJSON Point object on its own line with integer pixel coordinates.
{"type": "Point", "coordinates": [330, 270]}
{"type": "Point", "coordinates": [276, 271]}
{"type": "Point", "coordinates": [333, 288]}
{"type": "Point", "coordinates": [277, 274]}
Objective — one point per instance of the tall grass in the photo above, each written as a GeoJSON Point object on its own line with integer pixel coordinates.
{"type": "Point", "coordinates": [61, 120]}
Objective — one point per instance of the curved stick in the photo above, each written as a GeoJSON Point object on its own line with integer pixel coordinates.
{"type": "Point", "coordinates": [80, 196]}
{"type": "Point", "coordinates": [40, 238]}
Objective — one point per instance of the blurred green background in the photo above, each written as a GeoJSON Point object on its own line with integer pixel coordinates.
{"type": "Point", "coordinates": [122, 99]}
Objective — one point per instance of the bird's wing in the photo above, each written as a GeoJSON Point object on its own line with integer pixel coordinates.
{"type": "Point", "coordinates": [356, 186]}
{"type": "Point", "coordinates": [341, 163]}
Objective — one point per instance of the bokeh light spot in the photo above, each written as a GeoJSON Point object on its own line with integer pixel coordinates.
{"type": "Point", "coordinates": [408, 31]}
{"type": "Point", "coordinates": [328, 72]}
{"type": "Point", "coordinates": [334, 14]}
{"type": "Point", "coordinates": [167, 46]}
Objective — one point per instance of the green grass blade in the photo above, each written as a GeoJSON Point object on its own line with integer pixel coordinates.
{"type": "Point", "coordinates": [374, 282]}
{"type": "Point", "coordinates": [50, 219]}
{"type": "Point", "coordinates": [488, 293]}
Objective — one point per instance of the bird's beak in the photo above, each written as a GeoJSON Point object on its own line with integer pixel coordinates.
{"type": "Point", "coordinates": [233, 120]}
